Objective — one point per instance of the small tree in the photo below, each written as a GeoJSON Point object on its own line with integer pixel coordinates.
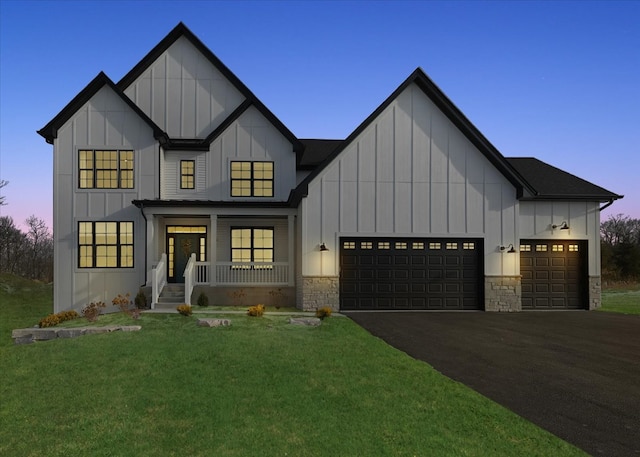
{"type": "Point", "coordinates": [12, 246]}
{"type": "Point", "coordinates": [40, 253]}
{"type": "Point", "coordinates": [2, 197]}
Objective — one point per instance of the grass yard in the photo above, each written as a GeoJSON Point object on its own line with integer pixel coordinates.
{"type": "Point", "coordinates": [260, 387]}
{"type": "Point", "coordinates": [623, 298]}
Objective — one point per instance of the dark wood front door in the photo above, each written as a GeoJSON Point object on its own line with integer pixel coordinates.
{"type": "Point", "coordinates": [180, 246]}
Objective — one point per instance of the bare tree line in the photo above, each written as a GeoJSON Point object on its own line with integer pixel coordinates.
{"type": "Point", "coordinates": [29, 254]}
{"type": "Point", "coordinates": [620, 240]}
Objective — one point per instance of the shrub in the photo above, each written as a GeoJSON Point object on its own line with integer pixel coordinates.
{"type": "Point", "coordinates": [323, 312]}
{"type": "Point", "coordinates": [203, 300]}
{"type": "Point", "coordinates": [50, 321]}
{"type": "Point", "coordinates": [276, 297]}
{"type": "Point", "coordinates": [237, 296]}
{"type": "Point", "coordinates": [257, 310]}
{"type": "Point", "coordinates": [140, 300]}
{"type": "Point", "coordinates": [54, 319]}
{"type": "Point", "coordinates": [124, 303]}
{"type": "Point", "coordinates": [184, 309]}
{"type": "Point", "coordinates": [93, 310]}
{"type": "Point", "coordinates": [68, 315]}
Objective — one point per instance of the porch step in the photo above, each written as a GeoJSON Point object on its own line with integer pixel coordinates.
{"type": "Point", "coordinates": [172, 294]}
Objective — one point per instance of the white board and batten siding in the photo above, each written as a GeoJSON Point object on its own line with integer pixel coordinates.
{"type": "Point", "coordinates": [249, 138]}
{"type": "Point", "coordinates": [183, 93]}
{"type": "Point", "coordinates": [583, 219]}
{"type": "Point", "coordinates": [410, 173]}
{"type": "Point", "coordinates": [105, 122]}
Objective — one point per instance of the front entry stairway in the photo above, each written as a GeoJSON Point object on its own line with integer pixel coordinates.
{"type": "Point", "coordinates": [171, 296]}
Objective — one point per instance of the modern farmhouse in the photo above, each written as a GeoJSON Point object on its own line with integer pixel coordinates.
{"type": "Point", "coordinates": [179, 174]}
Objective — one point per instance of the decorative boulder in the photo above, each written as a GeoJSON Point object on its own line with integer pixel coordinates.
{"type": "Point", "coordinates": [214, 322]}
{"type": "Point", "coordinates": [131, 328]}
{"type": "Point", "coordinates": [310, 321]}
{"type": "Point", "coordinates": [70, 332]}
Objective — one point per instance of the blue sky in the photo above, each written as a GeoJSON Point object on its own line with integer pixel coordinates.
{"type": "Point", "coordinates": [559, 81]}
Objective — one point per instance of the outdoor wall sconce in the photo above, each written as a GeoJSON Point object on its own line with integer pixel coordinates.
{"type": "Point", "coordinates": [323, 247]}
{"type": "Point", "coordinates": [562, 226]}
{"type": "Point", "coordinates": [510, 249]}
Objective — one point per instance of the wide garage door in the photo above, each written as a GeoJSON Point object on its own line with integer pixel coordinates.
{"type": "Point", "coordinates": [410, 273]}
{"type": "Point", "coordinates": [554, 274]}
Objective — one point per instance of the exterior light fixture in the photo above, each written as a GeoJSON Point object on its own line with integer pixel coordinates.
{"type": "Point", "coordinates": [509, 249]}
{"type": "Point", "coordinates": [562, 226]}
{"type": "Point", "coordinates": [323, 247]}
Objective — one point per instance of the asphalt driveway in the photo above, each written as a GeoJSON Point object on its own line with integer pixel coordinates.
{"type": "Point", "coordinates": [575, 374]}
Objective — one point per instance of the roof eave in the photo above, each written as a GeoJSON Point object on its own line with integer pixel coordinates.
{"type": "Point", "coordinates": [569, 197]}
{"type": "Point", "coordinates": [50, 131]}
{"type": "Point", "coordinates": [209, 204]}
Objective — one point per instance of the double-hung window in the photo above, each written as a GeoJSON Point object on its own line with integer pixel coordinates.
{"type": "Point", "coordinates": [249, 245]}
{"type": "Point", "coordinates": [187, 174]}
{"type": "Point", "coordinates": [105, 244]}
{"type": "Point", "coordinates": [105, 169]}
{"type": "Point", "coordinates": [251, 179]}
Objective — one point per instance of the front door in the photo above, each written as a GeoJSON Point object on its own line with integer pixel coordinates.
{"type": "Point", "coordinates": [181, 243]}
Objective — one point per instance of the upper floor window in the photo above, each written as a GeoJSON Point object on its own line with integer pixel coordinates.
{"type": "Point", "coordinates": [252, 179]}
{"type": "Point", "coordinates": [105, 169]}
{"type": "Point", "coordinates": [105, 244]}
{"type": "Point", "coordinates": [187, 174]}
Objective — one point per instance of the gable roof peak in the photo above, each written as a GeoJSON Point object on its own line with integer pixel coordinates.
{"type": "Point", "coordinates": [450, 110]}
{"type": "Point", "coordinates": [182, 30]}
{"type": "Point", "coordinates": [50, 131]}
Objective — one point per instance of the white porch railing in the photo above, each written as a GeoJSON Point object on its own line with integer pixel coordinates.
{"type": "Point", "coordinates": [227, 273]}
{"type": "Point", "coordinates": [252, 273]}
{"type": "Point", "coordinates": [158, 279]}
{"type": "Point", "coordinates": [189, 278]}
{"type": "Point", "coordinates": [203, 272]}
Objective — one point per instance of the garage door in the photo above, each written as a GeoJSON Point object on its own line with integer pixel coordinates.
{"type": "Point", "coordinates": [410, 273]}
{"type": "Point", "coordinates": [554, 274]}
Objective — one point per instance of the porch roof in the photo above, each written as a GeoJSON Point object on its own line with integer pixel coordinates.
{"type": "Point", "coordinates": [209, 204]}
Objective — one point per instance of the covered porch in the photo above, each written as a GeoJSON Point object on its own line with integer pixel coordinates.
{"type": "Point", "coordinates": [218, 250]}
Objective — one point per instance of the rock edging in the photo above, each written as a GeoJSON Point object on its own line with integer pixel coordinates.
{"type": "Point", "coordinates": [31, 335]}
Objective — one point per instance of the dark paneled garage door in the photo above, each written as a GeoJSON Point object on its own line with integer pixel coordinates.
{"type": "Point", "coordinates": [410, 273]}
{"type": "Point", "coordinates": [554, 274]}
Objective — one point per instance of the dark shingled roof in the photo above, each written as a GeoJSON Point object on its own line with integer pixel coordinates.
{"type": "Point", "coordinates": [552, 183]}
{"type": "Point", "coordinates": [315, 152]}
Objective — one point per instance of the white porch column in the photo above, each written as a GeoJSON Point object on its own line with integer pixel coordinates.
{"type": "Point", "coordinates": [291, 237]}
{"type": "Point", "coordinates": [211, 239]}
{"type": "Point", "coordinates": [150, 248]}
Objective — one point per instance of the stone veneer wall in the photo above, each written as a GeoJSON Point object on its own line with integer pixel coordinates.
{"type": "Point", "coordinates": [502, 293]}
{"type": "Point", "coordinates": [595, 292]}
{"type": "Point", "coordinates": [320, 291]}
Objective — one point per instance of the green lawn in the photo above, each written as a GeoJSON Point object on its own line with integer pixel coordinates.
{"type": "Point", "coordinates": [260, 387]}
{"type": "Point", "coordinates": [622, 299]}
